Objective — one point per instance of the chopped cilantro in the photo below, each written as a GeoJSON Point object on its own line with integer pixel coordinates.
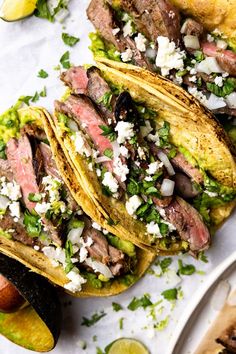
{"type": "Point", "coordinates": [202, 257]}
{"type": "Point", "coordinates": [42, 74]}
{"type": "Point", "coordinates": [32, 224]}
{"type": "Point", "coordinates": [26, 99]}
{"type": "Point", "coordinates": [161, 325]}
{"type": "Point", "coordinates": [165, 263]}
{"type": "Point", "coordinates": [108, 131]}
{"type": "Point", "coordinates": [170, 294]}
{"type": "Point", "coordinates": [172, 153]}
{"type": "Point", "coordinates": [69, 254]}
{"type": "Point", "coordinates": [42, 10]}
{"type": "Point", "coordinates": [35, 98]}
{"type": "Point", "coordinates": [121, 323]}
{"type": "Point", "coordinates": [3, 150]}
{"type": "Point", "coordinates": [163, 133]}
{"type": "Point", "coordinates": [153, 215]}
{"type": "Point", "coordinates": [133, 187]}
{"type": "Point", "coordinates": [108, 153]}
{"type": "Point", "coordinates": [94, 319]}
{"type": "Point", "coordinates": [228, 87]}
{"type": "Point", "coordinates": [141, 302]}
{"type": "Point", "coordinates": [199, 56]}
{"type": "Point", "coordinates": [65, 60]}
{"type": "Point", "coordinates": [69, 40]}
{"type": "Point", "coordinates": [43, 93]}
{"type": "Point", "coordinates": [99, 351]}
{"type": "Point", "coordinates": [186, 269]}
{"type": "Point", "coordinates": [116, 307]}
{"type": "Point", "coordinates": [34, 197]}
{"type": "Point", "coordinates": [164, 229]}
{"type": "Point", "coordinates": [106, 99]}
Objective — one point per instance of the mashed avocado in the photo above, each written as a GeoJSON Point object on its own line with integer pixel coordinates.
{"type": "Point", "coordinates": [125, 246]}
{"type": "Point", "coordinates": [101, 49]}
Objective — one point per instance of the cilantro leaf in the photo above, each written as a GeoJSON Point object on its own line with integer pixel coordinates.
{"type": "Point", "coordinates": [108, 131]}
{"type": "Point", "coordinates": [133, 187]}
{"type": "Point", "coordinates": [186, 269]}
{"type": "Point", "coordinates": [26, 99]}
{"type": "Point", "coordinates": [106, 99]}
{"type": "Point", "coordinates": [228, 87]}
{"type": "Point", "coordinates": [3, 150]}
{"type": "Point", "coordinates": [108, 153]}
{"type": "Point", "coordinates": [170, 294]}
{"type": "Point", "coordinates": [42, 74]}
{"type": "Point", "coordinates": [69, 40]}
{"type": "Point", "coordinates": [164, 132]}
{"type": "Point", "coordinates": [43, 93]}
{"type": "Point", "coordinates": [141, 302]}
{"type": "Point", "coordinates": [121, 322]}
{"type": "Point", "coordinates": [35, 98]}
{"type": "Point", "coordinates": [43, 11]}
{"type": "Point", "coordinates": [95, 318]}
{"type": "Point", "coordinates": [202, 257]}
{"type": "Point", "coordinates": [116, 307]}
{"type": "Point", "coordinates": [32, 224]}
{"type": "Point", "coordinates": [65, 60]}
{"type": "Point", "coordinates": [35, 197]}
{"type": "Point", "coordinates": [165, 263]}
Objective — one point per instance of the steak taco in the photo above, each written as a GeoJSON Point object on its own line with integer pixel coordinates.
{"type": "Point", "coordinates": [42, 223]}
{"type": "Point", "coordinates": [192, 44]}
{"type": "Point", "coordinates": [155, 163]}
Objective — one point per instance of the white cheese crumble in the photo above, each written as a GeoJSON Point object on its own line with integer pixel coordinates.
{"type": "Point", "coordinates": [14, 208]}
{"type": "Point", "coordinates": [193, 78]}
{"type": "Point", "coordinates": [219, 81]}
{"type": "Point", "coordinates": [168, 56]}
{"type": "Point", "coordinates": [81, 145]}
{"type": "Point", "coordinates": [115, 31]}
{"type": "Point", "coordinates": [98, 172]}
{"type": "Point", "coordinates": [127, 55]}
{"type": "Point", "coordinates": [96, 226]}
{"type": "Point", "coordinates": [133, 204]}
{"type": "Point", "coordinates": [110, 182]}
{"type": "Point", "coordinates": [125, 131]}
{"type": "Point", "coordinates": [153, 228]}
{"type": "Point", "coordinates": [154, 138]}
{"type": "Point", "coordinates": [124, 151]}
{"type": "Point", "coordinates": [76, 281]}
{"type": "Point", "coordinates": [211, 194]}
{"type": "Point", "coordinates": [199, 95]}
{"type": "Point", "coordinates": [210, 38]}
{"type": "Point", "coordinates": [140, 42]}
{"type": "Point", "coordinates": [141, 153]}
{"type": "Point", "coordinates": [36, 247]}
{"type": "Point", "coordinates": [120, 169]}
{"type": "Point", "coordinates": [42, 208]}
{"type": "Point", "coordinates": [128, 29]}
{"type": "Point", "coordinates": [10, 189]}
{"type": "Point", "coordinates": [153, 167]}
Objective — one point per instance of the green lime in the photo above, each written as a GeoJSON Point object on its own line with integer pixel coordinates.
{"type": "Point", "coordinates": [13, 10]}
{"type": "Point", "coordinates": [126, 346]}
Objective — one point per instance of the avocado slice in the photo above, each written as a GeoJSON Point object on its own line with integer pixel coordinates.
{"type": "Point", "coordinates": [37, 326]}
{"type": "Point", "coordinates": [14, 10]}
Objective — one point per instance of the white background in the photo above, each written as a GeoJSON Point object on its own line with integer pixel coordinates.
{"type": "Point", "coordinates": [25, 48]}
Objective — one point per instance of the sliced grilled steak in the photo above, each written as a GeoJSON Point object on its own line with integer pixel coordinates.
{"type": "Point", "coordinates": [19, 233]}
{"type": "Point", "coordinates": [5, 170]}
{"type": "Point", "coordinates": [228, 338]}
{"type": "Point", "coordinates": [101, 251]}
{"type": "Point", "coordinates": [19, 154]}
{"type": "Point", "coordinates": [32, 129]}
{"type": "Point", "coordinates": [38, 162]}
{"type": "Point", "coordinates": [49, 164]}
{"type": "Point", "coordinates": [184, 187]}
{"type": "Point", "coordinates": [102, 17]}
{"type": "Point", "coordinates": [189, 224]}
{"type": "Point", "coordinates": [225, 58]}
{"type": "Point", "coordinates": [76, 78]}
{"type": "Point", "coordinates": [154, 18]}
{"type": "Point", "coordinates": [192, 28]}
{"type": "Point", "coordinates": [181, 163]}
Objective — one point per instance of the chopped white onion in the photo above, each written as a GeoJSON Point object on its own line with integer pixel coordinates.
{"type": "Point", "coordinates": [231, 100]}
{"type": "Point", "coordinates": [4, 202]}
{"type": "Point", "coordinates": [221, 44]}
{"type": "Point", "coordinates": [163, 157]}
{"type": "Point", "coordinates": [208, 66]}
{"type": "Point", "coordinates": [99, 267]}
{"type": "Point", "coordinates": [116, 149]}
{"type": "Point", "coordinates": [103, 159]}
{"type": "Point", "coordinates": [75, 234]}
{"type": "Point", "coordinates": [72, 125]}
{"type": "Point", "coordinates": [191, 42]}
{"type": "Point", "coordinates": [172, 277]}
{"type": "Point", "coordinates": [215, 102]}
{"type": "Point", "coordinates": [167, 187]}
{"type": "Point", "coordinates": [220, 295]}
{"type": "Point", "coordinates": [151, 53]}
{"type": "Point", "coordinates": [62, 15]}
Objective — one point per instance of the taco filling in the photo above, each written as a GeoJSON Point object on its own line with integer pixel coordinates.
{"type": "Point", "coordinates": [38, 210]}
{"type": "Point", "coordinates": [134, 161]}
{"type": "Point", "coordinates": [156, 36]}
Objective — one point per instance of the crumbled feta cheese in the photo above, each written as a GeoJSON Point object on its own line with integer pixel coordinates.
{"type": "Point", "coordinates": [208, 66]}
{"type": "Point", "coordinates": [37, 248]}
{"type": "Point", "coordinates": [105, 232]}
{"type": "Point", "coordinates": [211, 194]}
{"type": "Point", "coordinates": [125, 131]}
{"type": "Point", "coordinates": [55, 254]}
{"type": "Point", "coordinates": [110, 182]}
{"type": "Point", "coordinates": [171, 14]}
{"type": "Point", "coordinates": [210, 38]}
{"type": "Point", "coordinates": [140, 41]}
{"type": "Point", "coordinates": [198, 94]}
{"type": "Point", "coordinates": [145, 129]}
{"type": "Point", "coordinates": [221, 44]}
{"type": "Point", "coordinates": [193, 78]}
{"type": "Point", "coordinates": [124, 151]}
{"type": "Point", "coordinates": [133, 204]}
{"type": "Point", "coordinates": [168, 56]}
{"type": "Point", "coordinates": [148, 178]}
{"type": "Point", "coordinates": [115, 31]}
{"type": "Point", "coordinates": [154, 138]}
{"type": "Point", "coordinates": [192, 71]}
{"type": "Point", "coordinates": [127, 55]}
{"type": "Point", "coordinates": [10, 189]}
{"type": "Point", "coordinates": [76, 281]}
{"type": "Point", "coordinates": [120, 169]}
{"type": "Point", "coordinates": [81, 145]}
{"type": "Point", "coordinates": [153, 228]}
{"type": "Point", "coordinates": [4, 203]}
{"type": "Point", "coordinates": [90, 166]}
{"type": "Point", "coordinates": [96, 226]}
{"type": "Point", "coordinates": [42, 208]}
{"type": "Point", "coordinates": [141, 153]}
{"type": "Point", "coordinates": [98, 172]}
{"type": "Point", "coordinates": [152, 168]}
{"type": "Point", "coordinates": [14, 208]}
{"type": "Point", "coordinates": [219, 81]}
{"type": "Point", "coordinates": [128, 29]}
{"type": "Point", "coordinates": [178, 80]}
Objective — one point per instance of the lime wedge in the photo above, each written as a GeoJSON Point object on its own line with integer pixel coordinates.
{"type": "Point", "coordinates": [13, 10]}
{"type": "Point", "coordinates": [126, 346]}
